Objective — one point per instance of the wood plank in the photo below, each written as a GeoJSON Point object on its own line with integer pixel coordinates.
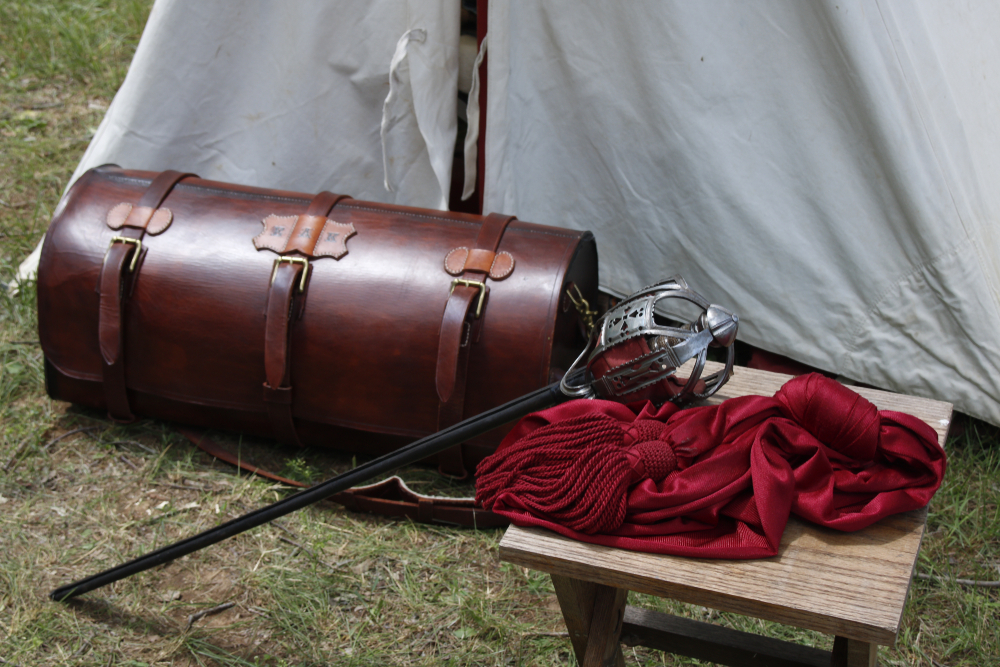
{"type": "Point", "coordinates": [576, 600]}
{"type": "Point", "coordinates": [861, 598]}
{"type": "Point", "coordinates": [852, 585]}
{"type": "Point", "coordinates": [852, 653]}
{"type": "Point", "coordinates": [714, 643]}
{"type": "Point", "coordinates": [603, 647]}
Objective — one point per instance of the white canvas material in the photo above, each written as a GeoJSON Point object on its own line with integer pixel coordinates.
{"type": "Point", "coordinates": [828, 169]}
{"type": "Point", "coordinates": [291, 95]}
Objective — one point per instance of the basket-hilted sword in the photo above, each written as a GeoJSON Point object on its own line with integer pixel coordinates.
{"type": "Point", "coordinates": [631, 355]}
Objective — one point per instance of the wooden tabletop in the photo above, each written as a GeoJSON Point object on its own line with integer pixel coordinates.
{"type": "Point", "coordinates": [847, 584]}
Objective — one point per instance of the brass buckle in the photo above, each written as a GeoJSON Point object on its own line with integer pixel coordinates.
{"type": "Point", "coordinates": [471, 283]}
{"type": "Point", "coordinates": [293, 260]}
{"type": "Point", "coordinates": [135, 255]}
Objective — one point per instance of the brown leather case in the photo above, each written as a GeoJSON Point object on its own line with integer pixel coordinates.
{"type": "Point", "coordinates": [225, 306]}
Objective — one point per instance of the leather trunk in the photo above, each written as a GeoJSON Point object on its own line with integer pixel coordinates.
{"type": "Point", "coordinates": [225, 306]}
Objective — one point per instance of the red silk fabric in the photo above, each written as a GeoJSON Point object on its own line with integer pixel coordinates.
{"type": "Point", "coordinates": [816, 449]}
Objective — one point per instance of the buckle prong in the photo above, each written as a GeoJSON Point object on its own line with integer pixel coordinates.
{"type": "Point", "coordinates": [293, 260]}
{"type": "Point", "coordinates": [135, 254]}
{"type": "Point", "coordinates": [471, 283]}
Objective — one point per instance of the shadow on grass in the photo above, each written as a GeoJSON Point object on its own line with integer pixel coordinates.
{"type": "Point", "coordinates": [102, 611]}
{"type": "Point", "coordinates": [196, 644]}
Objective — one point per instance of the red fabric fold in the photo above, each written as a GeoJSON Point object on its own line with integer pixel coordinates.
{"type": "Point", "coordinates": [739, 469]}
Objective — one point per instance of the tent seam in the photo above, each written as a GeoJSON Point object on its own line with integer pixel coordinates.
{"type": "Point", "coordinates": [906, 277]}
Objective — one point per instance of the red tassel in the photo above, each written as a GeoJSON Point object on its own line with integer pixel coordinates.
{"type": "Point", "coordinates": [576, 472]}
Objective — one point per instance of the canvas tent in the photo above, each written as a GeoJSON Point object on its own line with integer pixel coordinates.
{"type": "Point", "coordinates": [826, 169]}
{"type": "Point", "coordinates": [304, 95]}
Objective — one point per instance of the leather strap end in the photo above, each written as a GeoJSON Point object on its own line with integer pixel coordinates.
{"type": "Point", "coordinates": [125, 417]}
{"type": "Point", "coordinates": [280, 300]}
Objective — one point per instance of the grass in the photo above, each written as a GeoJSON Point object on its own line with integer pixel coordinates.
{"type": "Point", "coordinates": [322, 586]}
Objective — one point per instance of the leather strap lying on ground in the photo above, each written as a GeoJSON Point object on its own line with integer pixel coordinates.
{"type": "Point", "coordinates": [390, 497]}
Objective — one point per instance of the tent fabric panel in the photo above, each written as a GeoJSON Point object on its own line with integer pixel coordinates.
{"type": "Point", "coordinates": [287, 95]}
{"type": "Point", "coordinates": [801, 162]}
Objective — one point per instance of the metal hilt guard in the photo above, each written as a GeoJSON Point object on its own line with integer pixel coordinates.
{"type": "Point", "coordinates": [633, 356]}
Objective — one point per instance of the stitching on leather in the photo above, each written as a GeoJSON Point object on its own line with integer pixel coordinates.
{"type": "Point", "coordinates": [107, 219]}
{"type": "Point", "coordinates": [241, 195]}
{"type": "Point", "coordinates": [466, 333]}
{"type": "Point", "coordinates": [248, 195]}
{"type": "Point", "coordinates": [170, 214]}
{"type": "Point", "coordinates": [455, 272]}
{"type": "Point", "coordinates": [507, 272]}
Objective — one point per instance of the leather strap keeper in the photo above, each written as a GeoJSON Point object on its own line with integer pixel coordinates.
{"type": "Point", "coordinates": [390, 497]}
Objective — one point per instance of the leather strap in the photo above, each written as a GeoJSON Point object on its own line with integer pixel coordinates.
{"type": "Point", "coordinates": [460, 328]}
{"type": "Point", "coordinates": [310, 224]}
{"type": "Point", "coordinates": [114, 280]}
{"type": "Point", "coordinates": [284, 303]}
{"type": "Point", "coordinates": [277, 388]}
{"type": "Point", "coordinates": [390, 497]}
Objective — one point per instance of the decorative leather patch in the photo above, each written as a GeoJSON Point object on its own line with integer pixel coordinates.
{"type": "Point", "coordinates": [501, 266]}
{"type": "Point", "coordinates": [124, 215]}
{"type": "Point", "coordinates": [118, 214]}
{"type": "Point", "coordinates": [277, 230]}
{"type": "Point", "coordinates": [162, 217]}
{"type": "Point", "coordinates": [454, 261]}
{"type": "Point", "coordinates": [332, 240]}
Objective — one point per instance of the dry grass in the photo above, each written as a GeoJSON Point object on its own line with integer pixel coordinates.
{"type": "Point", "coordinates": [326, 586]}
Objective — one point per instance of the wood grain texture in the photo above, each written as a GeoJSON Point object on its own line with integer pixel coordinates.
{"type": "Point", "coordinates": [851, 585]}
{"type": "Point", "coordinates": [852, 653]}
{"type": "Point", "coordinates": [603, 647]}
{"type": "Point", "coordinates": [576, 600]}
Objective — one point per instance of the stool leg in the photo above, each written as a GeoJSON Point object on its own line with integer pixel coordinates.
{"type": "Point", "coordinates": [604, 648]}
{"type": "Point", "coordinates": [853, 653]}
{"type": "Point", "coordinates": [578, 601]}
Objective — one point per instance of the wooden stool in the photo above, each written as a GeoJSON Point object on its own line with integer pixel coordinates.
{"type": "Point", "coordinates": [850, 585]}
